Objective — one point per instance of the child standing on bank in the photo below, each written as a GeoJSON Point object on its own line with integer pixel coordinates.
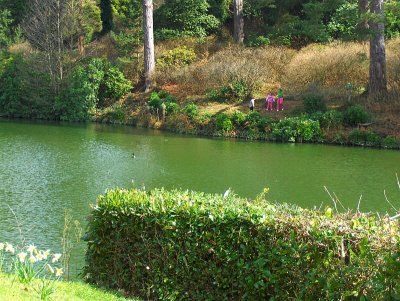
{"type": "Point", "coordinates": [269, 101]}
{"type": "Point", "coordinates": [280, 99]}
{"type": "Point", "coordinates": [251, 104]}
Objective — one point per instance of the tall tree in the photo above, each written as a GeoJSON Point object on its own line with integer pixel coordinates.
{"type": "Point", "coordinates": [106, 16]}
{"type": "Point", "coordinates": [45, 29]}
{"type": "Point", "coordinates": [363, 26]}
{"type": "Point", "coordinates": [377, 68]}
{"type": "Point", "coordinates": [149, 61]}
{"type": "Point", "coordinates": [238, 23]}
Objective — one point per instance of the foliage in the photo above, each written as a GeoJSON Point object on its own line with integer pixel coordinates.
{"type": "Point", "coordinates": [390, 142]}
{"type": "Point", "coordinates": [126, 42]}
{"type": "Point", "coordinates": [331, 119]}
{"type": "Point", "coordinates": [236, 91]}
{"type": "Point", "coordinates": [187, 16]}
{"type": "Point", "coordinates": [258, 41]}
{"type": "Point", "coordinates": [191, 110]}
{"type": "Point", "coordinates": [238, 118]}
{"type": "Point", "coordinates": [25, 90]}
{"type": "Point", "coordinates": [5, 28]}
{"type": "Point", "coordinates": [151, 243]}
{"type": "Point", "coordinates": [364, 138]}
{"type": "Point", "coordinates": [314, 103]}
{"type": "Point", "coordinates": [343, 24]}
{"type": "Point", "coordinates": [223, 122]}
{"type": "Point", "coordinates": [355, 115]}
{"type": "Point", "coordinates": [113, 86]}
{"type": "Point", "coordinates": [157, 98]}
{"type": "Point", "coordinates": [177, 57]}
{"type": "Point", "coordinates": [93, 85]}
{"type": "Point", "coordinates": [296, 129]}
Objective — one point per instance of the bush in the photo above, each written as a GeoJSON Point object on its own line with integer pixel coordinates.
{"type": "Point", "coordinates": [92, 85]}
{"type": "Point", "coordinates": [191, 110]}
{"type": "Point", "coordinates": [157, 98]}
{"type": "Point", "coordinates": [390, 142]}
{"type": "Point", "coordinates": [258, 41]}
{"type": "Point", "coordinates": [314, 103]}
{"type": "Point", "coordinates": [331, 119]}
{"type": "Point", "coordinates": [238, 118]}
{"type": "Point", "coordinates": [150, 244]}
{"type": "Point", "coordinates": [185, 18]}
{"type": "Point", "coordinates": [236, 91]}
{"type": "Point", "coordinates": [355, 115]}
{"type": "Point", "coordinates": [296, 129]}
{"type": "Point", "coordinates": [177, 57]}
{"type": "Point", "coordinates": [223, 122]}
{"type": "Point", "coordinates": [25, 88]}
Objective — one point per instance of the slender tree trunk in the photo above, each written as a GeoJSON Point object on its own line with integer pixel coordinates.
{"type": "Point", "coordinates": [81, 36]}
{"type": "Point", "coordinates": [363, 26]}
{"type": "Point", "coordinates": [149, 62]}
{"type": "Point", "coordinates": [106, 16]}
{"type": "Point", "coordinates": [238, 23]}
{"type": "Point", "coordinates": [377, 68]}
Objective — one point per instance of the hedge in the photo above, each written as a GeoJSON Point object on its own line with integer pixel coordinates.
{"type": "Point", "coordinates": [184, 245]}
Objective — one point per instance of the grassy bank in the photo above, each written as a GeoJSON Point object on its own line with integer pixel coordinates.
{"type": "Point", "coordinates": [212, 91]}
{"type": "Point", "coordinates": [12, 290]}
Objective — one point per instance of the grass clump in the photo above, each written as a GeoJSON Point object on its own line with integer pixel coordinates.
{"type": "Point", "coordinates": [183, 245]}
{"type": "Point", "coordinates": [65, 291]}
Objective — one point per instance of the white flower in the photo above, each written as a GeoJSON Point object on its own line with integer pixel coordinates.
{"type": "Point", "coordinates": [49, 268]}
{"type": "Point", "coordinates": [147, 268]}
{"type": "Point", "coordinates": [1, 246]}
{"type": "Point", "coordinates": [56, 257]}
{"type": "Point", "coordinates": [39, 256]}
{"type": "Point", "coordinates": [45, 254]}
{"type": "Point", "coordinates": [31, 249]}
{"type": "Point", "coordinates": [9, 248]}
{"type": "Point", "coordinates": [59, 272]}
{"type": "Point", "coordinates": [32, 259]}
{"type": "Point", "coordinates": [22, 256]}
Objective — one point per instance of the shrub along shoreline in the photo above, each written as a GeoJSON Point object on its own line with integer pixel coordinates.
{"type": "Point", "coordinates": [315, 125]}
{"type": "Point", "coordinates": [184, 245]}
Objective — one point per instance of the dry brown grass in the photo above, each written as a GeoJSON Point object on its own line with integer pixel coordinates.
{"type": "Point", "coordinates": [327, 67]}
{"type": "Point", "coordinates": [253, 66]}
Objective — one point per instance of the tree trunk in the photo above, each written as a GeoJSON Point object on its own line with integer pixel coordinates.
{"type": "Point", "coordinates": [238, 23]}
{"type": "Point", "coordinates": [106, 16]}
{"type": "Point", "coordinates": [81, 36]}
{"type": "Point", "coordinates": [362, 26]}
{"type": "Point", "coordinates": [149, 62]}
{"type": "Point", "coordinates": [377, 68]}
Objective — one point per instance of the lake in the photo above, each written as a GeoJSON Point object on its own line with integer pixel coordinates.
{"type": "Point", "coordinates": [48, 168]}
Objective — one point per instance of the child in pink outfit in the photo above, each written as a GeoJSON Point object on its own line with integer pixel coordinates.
{"type": "Point", "coordinates": [269, 101]}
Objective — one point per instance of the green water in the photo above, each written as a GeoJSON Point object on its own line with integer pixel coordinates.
{"type": "Point", "coordinates": [48, 168]}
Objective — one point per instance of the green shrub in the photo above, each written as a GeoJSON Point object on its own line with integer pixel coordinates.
{"type": "Point", "coordinates": [357, 137]}
{"type": "Point", "coordinates": [258, 41]}
{"type": "Point", "coordinates": [183, 245]}
{"type": "Point", "coordinates": [25, 88]}
{"type": "Point", "coordinates": [331, 119]}
{"type": "Point", "coordinates": [238, 118]}
{"type": "Point", "coordinates": [113, 86]}
{"type": "Point", "coordinates": [237, 91]}
{"type": "Point", "coordinates": [90, 86]}
{"type": "Point", "coordinates": [373, 139]}
{"type": "Point", "coordinates": [191, 110]}
{"type": "Point", "coordinates": [390, 142]}
{"type": "Point", "coordinates": [223, 122]}
{"type": "Point", "coordinates": [185, 18]}
{"type": "Point", "coordinates": [177, 57]}
{"type": "Point", "coordinates": [355, 115]}
{"type": "Point", "coordinates": [297, 129]}
{"type": "Point", "coordinates": [157, 98]}
{"type": "Point", "coordinates": [314, 103]}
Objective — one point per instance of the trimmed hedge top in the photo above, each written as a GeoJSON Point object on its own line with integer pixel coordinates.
{"type": "Point", "coordinates": [184, 245]}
